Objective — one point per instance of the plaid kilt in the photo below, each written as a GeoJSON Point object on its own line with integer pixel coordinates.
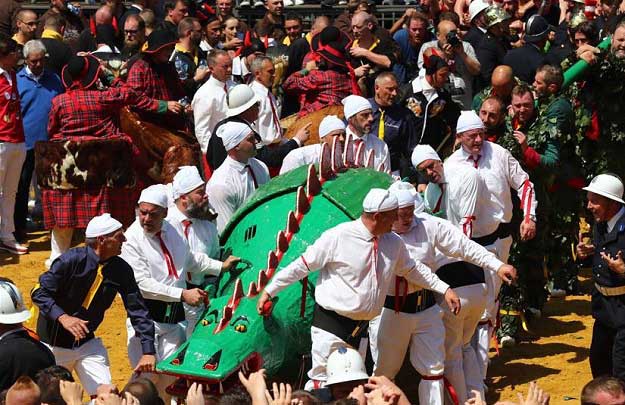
{"type": "Point", "coordinates": [75, 208]}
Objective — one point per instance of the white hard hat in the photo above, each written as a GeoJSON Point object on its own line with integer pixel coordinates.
{"type": "Point", "coordinates": [345, 364]}
{"type": "Point", "coordinates": [12, 309]}
{"type": "Point", "coordinates": [607, 185]}
{"type": "Point", "coordinates": [240, 98]}
{"type": "Point", "coordinates": [476, 7]}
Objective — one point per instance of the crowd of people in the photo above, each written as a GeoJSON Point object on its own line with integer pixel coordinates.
{"type": "Point", "coordinates": [465, 104]}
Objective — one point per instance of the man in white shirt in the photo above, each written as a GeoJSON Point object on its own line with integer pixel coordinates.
{"type": "Point", "coordinates": [329, 128]}
{"type": "Point", "coordinates": [160, 259]}
{"type": "Point", "coordinates": [500, 173]}
{"type": "Point", "coordinates": [268, 123]}
{"type": "Point", "coordinates": [192, 217]}
{"type": "Point", "coordinates": [359, 116]}
{"type": "Point", "coordinates": [357, 261]}
{"type": "Point", "coordinates": [210, 101]}
{"type": "Point", "coordinates": [411, 318]}
{"type": "Point", "coordinates": [239, 175]}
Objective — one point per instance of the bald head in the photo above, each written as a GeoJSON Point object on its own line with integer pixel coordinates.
{"type": "Point", "coordinates": [104, 16]}
{"type": "Point", "coordinates": [445, 26]}
{"type": "Point", "coordinates": [502, 81]}
{"type": "Point", "coordinates": [360, 18]}
{"type": "Point", "coordinates": [319, 24]}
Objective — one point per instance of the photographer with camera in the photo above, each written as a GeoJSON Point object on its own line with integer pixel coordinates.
{"type": "Point", "coordinates": [461, 59]}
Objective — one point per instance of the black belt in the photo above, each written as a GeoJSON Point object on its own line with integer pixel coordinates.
{"type": "Point", "coordinates": [165, 312]}
{"type": "Point", "coordinates": [349, 330]}
{"type": "Point", "coordinates": [503, 231]}
{"type": "Point", "coordinates": [459, 274]}
{"type": "Point", "coordinates": [412, 303]}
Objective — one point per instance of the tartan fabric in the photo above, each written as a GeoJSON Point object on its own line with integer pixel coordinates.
{"type": "Point", "coordinates": [160, 82]}
{"type": "Point", "coordinates": [75, 208]}
{"type": "Point", "coordinates": [88, 114]}
{"type": "Point", "coordinates": [318, 89]}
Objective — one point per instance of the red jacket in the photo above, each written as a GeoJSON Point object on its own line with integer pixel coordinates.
{"type": "Point", "coordinates": [11, 129]}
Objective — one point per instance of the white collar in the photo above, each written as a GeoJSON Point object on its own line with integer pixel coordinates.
{"type": "Point", "coordinates": [350, 132]}
{"type": "Point", "coordinates": [175, 213]}
{"type": "Point", "coordinates": [615, 218]}
{"type": "Point", "coordinates": [258, 85]}
{"type": "Point", "coordinates": [29, 73]}
{"type": "Point", "coordinates": [238, 166]}
{"type": "Point", "coordinates": [7, 75]}
{"type": "Point", "coordinates": [362, 229]}
{"type": "Point", "coordinates": [217, 83]}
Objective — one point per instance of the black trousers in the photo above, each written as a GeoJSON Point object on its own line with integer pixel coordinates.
{"type": "Point", "coordinates": [607, 349]}
{"type": "Point", "coordinates": [23, 188]}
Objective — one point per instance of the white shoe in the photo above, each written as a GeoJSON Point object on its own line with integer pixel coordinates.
{"type": "Point", "coordinates": [287, 3]}
{"type": "Point", "coordinates": [13, 246]}
{"type": "Point", "coordinates": [259, 3]}
{"type": "Point", "coordinates": [299, 2]}
{"type": "Point", "coordinates": [536, 313]}
{"type": "Point", "coordinates": [244, 3]}
{"type": "Point", "coordinates": [342, 2]}
{"type": "Point", "coordinates": [557, 293]}
{"type": "Point", "coordinates": [507, 341]}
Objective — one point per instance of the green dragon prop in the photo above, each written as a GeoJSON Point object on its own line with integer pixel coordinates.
{"type": "Point", "coordinates": [230, 335]}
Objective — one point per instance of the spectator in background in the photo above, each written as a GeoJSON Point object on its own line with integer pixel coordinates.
{"type": "Point", "coordinates": [26, 24]}
{"type": "Point", "coordinates": [212, 34]}
{"type": "Point", "coordinates": [232, 37]}
{"type": "Point", "coordinates": [410, 40]}
{"type": "Point", "coordinates": [188, 58]}
{"type": "Point", "coordinates": [603, 391]}
{"type": "Point", "coordinates": [87, 41]}
{"type": "Point", "coordinates": [24, 392]}
{"type": "Point", "coordinates": [502, 81]}
{"type": "Point", "coordinates": [59, 53]}
{"type": "Point", "coordinates": [525, 60]}
{"type": "Point", "coordinates": [149, 19]}
{"type": "Point", "coordinates": [12, 146]}
{"type": "Point", "coordinates": [242, 64]}
{"type": "Point", "coordinates": [136, 7]}
{"type": "Point", "coordinates": [493, 47]}
{"type": "Point", "coordinates": [134, 37]}
{"type": "Point", "coordinates": [477, 28]}
{"type": "Point", "coordinates": [48, 381]}
{"type": "Point", "coordinates": [293, 27]}
{"type": "Point", "coordinates": [493, 115]}
{"type": "Point", "coordinates": [461, 59]}
{"type": "Point", "coordinates": [175, 11]}
{"type": "Point", "coordinates": [145, 391]}
{"type": "Point", "coordinates": [301, 46]}
{"type": "Point", "coordinates": [75, 23]}
{"type": "Point", "coordinates": [37, 87]}
{"type": "Point", "coordinates": [271, 27]}
{"type": "Point", "coordinates": [8, 10]}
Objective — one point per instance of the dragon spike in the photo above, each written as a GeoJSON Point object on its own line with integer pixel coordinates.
{"type": "Point", "coordinates": [236, 294]}
{"type": "Point", "coordinates": [337, 155]}
{"type": "Point", "coordinates": [252, 290]}
{"type": "Point", "coordinates": [369, 161]}
{"type": "Point", "coordinates": [282, 244]}
{"type": "Point", "coordinates": [227, 313]}
{"type": "Point", "coordinates": [301, 202]}
{"type": "Point", "coordinates": [262, 279]}
{"type": "Point", "coordinates": [348, 153]}
{"type": "Point", "coordinates": [313, 186]}
{"type": "Point", "coordinates": [325, 162]}
{"type": "Point", "coordinates": [359, 160]}
{"type": "Point", "coordinates": [272, 260]}
{"type": "Point", "coordinates": [291, 223]}
{"type": "Point", "coordinates": [382, 167]}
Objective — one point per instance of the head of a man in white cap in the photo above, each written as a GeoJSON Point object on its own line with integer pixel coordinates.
{"type": "Point", "coordinates": [239, 140]}
{"type": "Point", "coordinates": [605, 196]}
{"type": "Point", "coordinates": [407, 200]}
{"type": "Point", "coordinates": [470, 132]}
{"type": "Point", "coordinates": [331, 127]}
{"type": "Point", "coordinates": [152, 208]}
{"type": "Point", "coordinates": [105, 235]}
{"type": "Point", "coordinates": [189, 191]}
{"type": "Point", "coordinates": [428, 163]}
{"type": "Point", "coordinates": [358, 113]}
{"type": "Point", "coordinates": [379, 211]}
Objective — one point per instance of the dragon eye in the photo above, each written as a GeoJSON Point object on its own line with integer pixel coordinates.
{"type": "Point", "coordinates": [210, 318]}
{"type": "Point", "coordinates": [240, 324]}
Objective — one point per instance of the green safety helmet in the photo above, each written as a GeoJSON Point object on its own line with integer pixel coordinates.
{"type": "Point", "coordinates": [495, 15]}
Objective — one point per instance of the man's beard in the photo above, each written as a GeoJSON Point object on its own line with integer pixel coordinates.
{"type": "Point", "coordinates": [200, 211]}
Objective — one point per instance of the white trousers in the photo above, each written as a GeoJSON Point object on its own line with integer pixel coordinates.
{"type": "Point", "coordinates": [90, 362]}
{"type": "Point", "coordinates": [392, 333]}
{"type": "Point", "coordinates": [167, 338]}
{"type": "Point", "coordinates": [12, 157]}
{"type": "Point", "coordinates": [60, 242]}
{"type": "Point", "coordinates": [460, 359]}
{"type": "Point", "coordinates": [501, 248]}
{"type": "Point", "coordinates": [192, 315]}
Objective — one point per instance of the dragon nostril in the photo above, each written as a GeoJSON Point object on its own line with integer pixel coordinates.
{"type": "Point", "coordinates": [213, 362]}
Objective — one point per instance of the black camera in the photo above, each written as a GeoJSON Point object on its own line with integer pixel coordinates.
{"type": "Point", "coordinates": [452, 39]}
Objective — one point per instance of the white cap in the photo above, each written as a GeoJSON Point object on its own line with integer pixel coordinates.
{"type": "Point", "coordinates": [345, 364]}
{"type": "Point", "coordinates": [186, 180]}
{"type": "Point", "coordinates": [156, 194]}
{"type": "Point", "coordinates": [330, 123]}
{"type": "Point", "coordinates": [379, 200]}
{"type": "Point", "coordinates": [406, 195]}
{"type": "Point", "coordinates": [476, 7]}
{"type": "Point", "coordinates": [467, 121]}
{"type": "Point", "coordinates": [421, 153]}
{"type": "Point", "coordinates": [240, 98]}
{"type": "Point", "coordinates": [233, 133]}
{"type": "Point", "coordinates": [353, 104]}
{"type": "Point", "coordinates": [607, 185]}
{"type": "Point", "coordinates": [12, 308]}
{"type": "Point", "coordinates": [102, 225]}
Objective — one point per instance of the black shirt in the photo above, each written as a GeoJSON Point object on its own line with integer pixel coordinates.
{"type": "Point", "coordinates": [21, 354]}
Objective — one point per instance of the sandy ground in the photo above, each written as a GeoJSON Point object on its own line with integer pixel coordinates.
{"type": "Point", "coordinates": [557, 360]}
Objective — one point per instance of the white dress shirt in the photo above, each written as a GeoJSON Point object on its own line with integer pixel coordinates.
{"type": "Point", "coordinates": [231, 185]}
{"type": "Point", "coordinates": [144, 254]}
{"type": "Point", "coordinates": [352, 281]}
{"type": "Point", "coordinates": [612, 221]}
{"type": "Point", "coordinates": [268, 123]}
{"type": "Point", "coordinates": [500, 172]}
{"type": "Point", "coordinates": [372, 142]}
{"type": "Point", "coordinates": [305, 155]}
{"type": "Point", "coordinates": [201, 235]}
{"type": "Point", "coordinates": [210, 105]}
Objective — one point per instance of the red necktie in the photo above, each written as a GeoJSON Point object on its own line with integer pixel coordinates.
{"type": "Point", "coordinates": [375, 257]}
{"type": "Point", "coordinates": [171, 268]}
{"type": "Point", "coordinates": [276, 119]}
{"type": "Point", "coordinates": [249, 169]}
{"type": "Point", "coordinates": [226, 88]}
{"type": "Point", "coordinates": [475, 160]}
{"type": "Point", "coordinates": [440, 200]}
{"type": "Point", "coordinates": [187, 223]}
